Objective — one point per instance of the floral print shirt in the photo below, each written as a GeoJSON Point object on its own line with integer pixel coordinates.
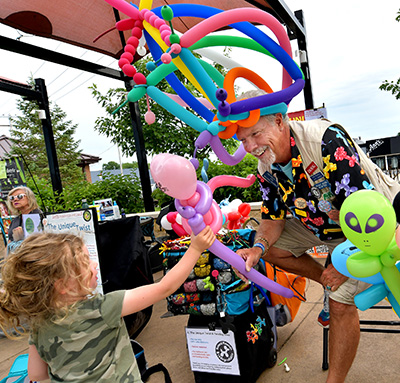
{"type": "Point", "coordinates": [341, 175]}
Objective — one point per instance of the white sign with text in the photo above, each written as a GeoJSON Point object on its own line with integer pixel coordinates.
{"type": "Point", "coordinates": [212, 351]}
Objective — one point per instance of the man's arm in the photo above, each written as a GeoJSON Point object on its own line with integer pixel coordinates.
{"type": "Point", "coordinates": [268, 230]}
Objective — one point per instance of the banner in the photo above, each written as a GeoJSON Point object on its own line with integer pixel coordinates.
{"type": "Point", "coordinates": [81, 223]}
{"type": "Point", "coordinates": [309, 114]}
{"type": "Point", "coordinates": [11, 175]}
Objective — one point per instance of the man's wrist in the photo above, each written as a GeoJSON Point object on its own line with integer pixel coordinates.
{"type": "Point", "coordinates": [260, 246]}
{"type": "Point", "coordinates": [264, 242]}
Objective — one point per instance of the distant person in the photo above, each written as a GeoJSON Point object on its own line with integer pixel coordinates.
{"type": "Point", "coordinates": [21, 200]}
{"type": "Point", "coordinates": [75, 335]}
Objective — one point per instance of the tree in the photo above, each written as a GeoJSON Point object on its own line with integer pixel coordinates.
{"type": "Point", "coordinates": [129, 165]}
{"type": "Point", "coordinates": [167, 135]}
{"type": "Point", "coordinates": [392, 86]}
{"type": "Point", "coordinates": [123, 189]}
{"type": "Point", "coordinates": [28, 142]}
{"type": "Point", "coordinates": [112, 165]}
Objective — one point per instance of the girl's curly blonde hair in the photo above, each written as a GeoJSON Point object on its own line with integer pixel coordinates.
{"type": "Point", "coordinates": [30, 274]}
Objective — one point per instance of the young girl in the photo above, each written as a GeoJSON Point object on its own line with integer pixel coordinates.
{"type": "Point", "coordinates": [76, 336]}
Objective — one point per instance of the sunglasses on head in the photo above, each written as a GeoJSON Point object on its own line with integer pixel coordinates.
{"type": "Point", "coordinates": [18, 196]}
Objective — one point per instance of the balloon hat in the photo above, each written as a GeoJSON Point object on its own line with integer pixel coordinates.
{"type": "Point", "coordinates": [172, 52]}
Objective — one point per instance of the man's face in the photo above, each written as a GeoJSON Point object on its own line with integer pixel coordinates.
{"type": "Point", "coordinates": [262, 140]}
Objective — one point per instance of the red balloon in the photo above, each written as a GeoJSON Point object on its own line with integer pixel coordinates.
{"type": "Point", "coordinates": [234, 216]}
{"type": "Point", "coordinates": [244, 209]}
{"type": "Point", "coordinates": [171, 216]}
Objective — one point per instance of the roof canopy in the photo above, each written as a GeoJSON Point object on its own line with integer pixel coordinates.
{"type": "Point", "coordinates": [79, 22]}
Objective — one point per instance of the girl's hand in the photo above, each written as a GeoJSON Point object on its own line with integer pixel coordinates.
{"type": "Point", "coordinates": [203, 240]}
{"type": "Point", "coordinates": [18, 233]}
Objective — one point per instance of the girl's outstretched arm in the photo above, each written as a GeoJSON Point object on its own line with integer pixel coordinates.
{"type": "Point", "coordinates": [141, 297]}
{"type": "Point", "coordinates": [37, 368]}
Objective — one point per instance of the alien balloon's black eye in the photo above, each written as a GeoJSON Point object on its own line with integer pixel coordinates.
{"type": "Point", "coordinates": [352, 222]}
{"type": "Point", "coordinates": [374, 223]}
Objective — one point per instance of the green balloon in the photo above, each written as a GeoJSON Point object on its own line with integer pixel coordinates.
{"type": "Point", "coordinates": [368, 220]}
{"type": "Point", "coordinates": [167, 13]}
{"type": "Point", "coordinates": [174, 38]}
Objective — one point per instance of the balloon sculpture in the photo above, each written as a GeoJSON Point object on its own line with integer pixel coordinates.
{"type": "Point", "coordinates": [370, 254]}
{"type": "Point", "coordinates": [171, 52]}
{"type": "Point", "coordinates": [176, 176]}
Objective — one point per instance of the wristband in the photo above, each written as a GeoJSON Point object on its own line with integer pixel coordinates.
{"type": "Point", "coordinates": [265, 240]}
{"type": "Point", "coordinates": [261, 246]}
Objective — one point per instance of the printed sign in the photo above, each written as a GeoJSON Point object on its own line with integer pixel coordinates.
{"type": "Point", "coordinates": [31, 223]}
{"type": "Point", "coordinates": [212, 351]}
{"type": "Point", "coordinates": [78, 222]}
{"type": "Point", "coordinates": [309, 114]}
{"type": "Point", "coordinates": [11, 175]}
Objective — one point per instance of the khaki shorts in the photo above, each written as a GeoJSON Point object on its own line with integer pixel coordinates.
{"type": "Point", "coordinates": [297, 239]}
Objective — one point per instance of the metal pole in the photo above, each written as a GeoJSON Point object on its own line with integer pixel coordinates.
{"type": "Point", "coordinates": [304, 64]}
{"type": "Point", "coordinates": [141, 153]}
{"type": "Point", "coordinates": [43, 101]}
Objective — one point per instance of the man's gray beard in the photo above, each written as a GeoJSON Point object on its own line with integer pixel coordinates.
{"type": "Point", "coordinates": [270, 158]}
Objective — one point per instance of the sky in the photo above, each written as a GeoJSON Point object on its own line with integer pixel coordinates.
{"type": "Point", "coordinates": [352, 49]}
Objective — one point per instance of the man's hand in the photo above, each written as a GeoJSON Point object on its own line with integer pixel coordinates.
{"type": "Point", "coordinates": [251, 257]}
{"type": "Point", "coordinates": [331, 278]}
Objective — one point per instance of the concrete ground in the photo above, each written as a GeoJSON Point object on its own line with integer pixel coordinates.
{"type": "Point", "coordinates": [300, 342]}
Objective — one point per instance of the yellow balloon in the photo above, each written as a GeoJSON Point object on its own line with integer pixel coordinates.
{"type": "Point", "coordinates": [145, 4]}
{"type": "Point", "coordinates": [155, 34]}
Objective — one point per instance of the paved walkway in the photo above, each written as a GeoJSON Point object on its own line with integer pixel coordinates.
{"type": "Point", "coordinates": [163, 339]}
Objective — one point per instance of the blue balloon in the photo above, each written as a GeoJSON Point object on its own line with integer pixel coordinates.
{"type": "Point", "coordinates": [339, 259]}
{"type": "Point", "coordinates": [177, 110]}
{"type": "Point", "coordinates": [372, 295]}
{"type": "Point", "coordinates": [176, 84]}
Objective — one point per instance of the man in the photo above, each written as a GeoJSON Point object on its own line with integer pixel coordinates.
{"type": "Point", "coordinates": [292, 181]}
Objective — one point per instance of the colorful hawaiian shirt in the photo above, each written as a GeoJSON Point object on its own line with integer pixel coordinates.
{"type": "Point", "coordinates": [284, 192]}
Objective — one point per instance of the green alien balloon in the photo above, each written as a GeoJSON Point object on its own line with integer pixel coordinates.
{"type": "Point", "coordinates": [368, 220]}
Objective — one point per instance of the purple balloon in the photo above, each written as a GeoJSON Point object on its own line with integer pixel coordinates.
{"type": "Point", "coordinates": [223, 155]}
{"type": "Point", "coordinates": [196, 222]}
{"type": "Point", "coordinates": [206, 137]}
{"type": "Point", "coordinates": [269, 99]}
{"type": "Point", "coordinates": [203, 139]}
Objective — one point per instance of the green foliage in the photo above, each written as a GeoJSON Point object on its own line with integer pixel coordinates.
{"type": "Point", "coordinates": [160, 198]}
{"type": "Point", "coordinates": [27, 135]}
{"type": "Point", "coordinates": [130, 165]}
{"type": "Point", "coordinates": [247, 166]}
{"type": "Point", "coordinates": [126, 190]}
{"type": "Point", "coordinates": [167, 135]}
{"type": "Point", "coordinates": [391, 86]}
{"type": "Point", "coordinates": [112, 165]}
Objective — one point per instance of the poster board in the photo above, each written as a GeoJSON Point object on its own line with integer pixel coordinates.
{"type": "Point", "coordinates": [12, 174]}
{"type": "Point", "coordinates": [79, 222]}
{"type": "Point", "coordinates": [212, 351]}
{"type": "Point", "coordinates": [31, 223]}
